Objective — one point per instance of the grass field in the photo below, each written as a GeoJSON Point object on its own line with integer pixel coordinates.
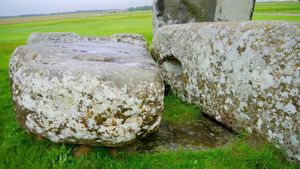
{"type": "Point", "coordinates": [19, 149]}
{"type": "Point", "coordinates": [289, 11]}
{"type": "Point", "coordinates": [278, 7]}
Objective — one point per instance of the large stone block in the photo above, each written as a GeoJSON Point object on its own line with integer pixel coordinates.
{"type": "Point", "coordinates": [245, 75]}
{"type": "Point", "coordinates": [87, 90]}
{"type": "Point", "coordinates": [166, 12]}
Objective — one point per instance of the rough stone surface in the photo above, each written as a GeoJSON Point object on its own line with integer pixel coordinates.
{"type": "Point", "coordinates": [85, 90]}
{"type": "Point", "coordinates": [245, 75]}
{"type": "Point", "coordinates": [134, 39]}
{"type": "Point", "coordinates": [52, 37]}
{"type": "Point", "coordinates": [166, 12]}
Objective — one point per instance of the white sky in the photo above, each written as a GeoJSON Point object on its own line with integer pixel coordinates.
{"type": "Point", "coordinates": [21, 7]}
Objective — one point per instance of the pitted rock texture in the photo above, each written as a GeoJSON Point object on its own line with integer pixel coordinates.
{"type": "Point", "coordinates": [53, 37]}
{"type": "Point", "coordinates": [85, 92]}
{"type": "Point", "coordinates": [245, 75]}
{"type": "Point", "coordinates": [167, 12]}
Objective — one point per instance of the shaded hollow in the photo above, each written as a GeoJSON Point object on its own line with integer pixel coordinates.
{"type": "Point", "coordinates": [172, 66]}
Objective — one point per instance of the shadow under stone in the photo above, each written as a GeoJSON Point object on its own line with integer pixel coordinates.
{"type": "Point", "coordinates": [200, 135]}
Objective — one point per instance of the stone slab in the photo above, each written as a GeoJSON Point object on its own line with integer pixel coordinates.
{"type": "Point", "coordinates": [246, 75]}
{"type": "Point", "coordinates": [86, 90]}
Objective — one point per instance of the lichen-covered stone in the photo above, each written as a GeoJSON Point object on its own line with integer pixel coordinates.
{"type": "Point", "coordinates": [245, 75]}
{"type": "Point", "coordinates": [166, 12]}
{"type": "Point", "coordinates": [53, 37]}
{"type": "Point", "coordinates": [74, 89]}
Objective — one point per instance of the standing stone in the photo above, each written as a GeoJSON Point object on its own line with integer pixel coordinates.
{"type": "Point", "coordinates": [246, 75]}
{"type": "Point", "coordinates": [166, 12]}
{"type": "Point", "coordinates": [87, 90]}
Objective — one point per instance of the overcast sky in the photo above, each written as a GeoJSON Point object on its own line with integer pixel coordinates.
{"type": "Point", "coordinates": [21, 7]}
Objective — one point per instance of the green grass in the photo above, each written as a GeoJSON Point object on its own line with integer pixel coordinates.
{"type": "Point", "coordinates": [27, 154]}
{"type": "Point", "coordinates": [176, 110]}
{"type": "Point", "coordinates": [19, 150]}
{"type": "Point", "coordinates": [276, 18]}
{"type": "Point", "coordinates": [289, 11]}
{"type": "Point", "coordinates": [278, 7]}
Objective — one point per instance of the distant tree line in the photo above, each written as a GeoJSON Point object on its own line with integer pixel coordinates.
{"type": "Point", "coordinates": [140, 8]}
{"type": "Point", "coordinates": [71, 12]}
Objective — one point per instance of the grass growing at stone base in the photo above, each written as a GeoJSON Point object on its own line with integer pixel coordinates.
{"type": "Point", "coordinates": [178, 111]}
{"type": "Point", "coordinates": [19, 150]}
{"type": "Point", "coordinates": [28, 154]}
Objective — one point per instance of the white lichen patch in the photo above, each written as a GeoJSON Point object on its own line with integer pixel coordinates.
{"type": "Point", "coordinates": [66, 93]}
{"type": "Point", "coordinates": [244, 74]}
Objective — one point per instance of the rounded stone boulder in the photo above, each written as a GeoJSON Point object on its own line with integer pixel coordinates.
{"type": "Point", "coordinates": [245, 75]}
{"type": "Point", "coordinates": [80, 90]}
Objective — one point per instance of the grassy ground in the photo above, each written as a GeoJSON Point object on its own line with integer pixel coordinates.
{"type": "Point", "coordinates": [289, 11]}
{"type": "Point", "coordinates": [15, 20]}
{"type": "Point", "coordinates": [19, 150]}
{"type": "Point", "coordinates": [278, 7]}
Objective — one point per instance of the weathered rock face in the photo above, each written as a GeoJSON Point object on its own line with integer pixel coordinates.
{"type": "Point", "coordinates": [246, 75]}
{"type": "Point", "coordinates": [133, 39]}
{"type": "Point", "coordinates": [87, 90]}
{"type": "Point", "coordinates": [166, 12]}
